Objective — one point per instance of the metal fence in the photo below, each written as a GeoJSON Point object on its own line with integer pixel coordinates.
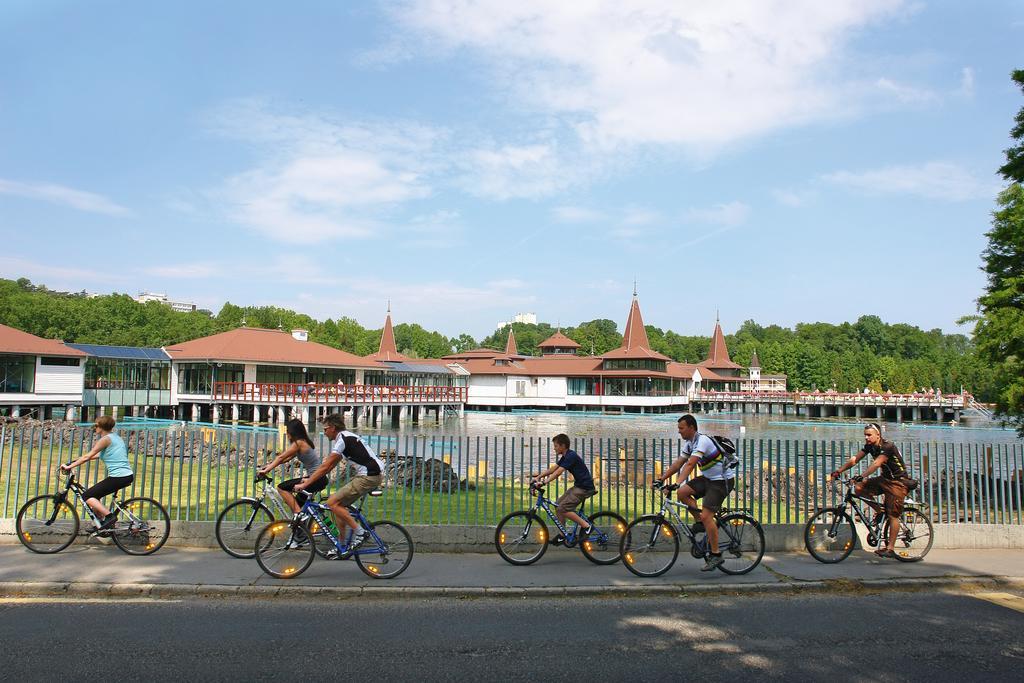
{"type": "Point", "coordinates": [477, 480]}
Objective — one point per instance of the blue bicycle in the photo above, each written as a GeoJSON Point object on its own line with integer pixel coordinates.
{"type": "Point", "coordinates": [285, 549]}
{"type": "Point", "coordinates": [522, 537]}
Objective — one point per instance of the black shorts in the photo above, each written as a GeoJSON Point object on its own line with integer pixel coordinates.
{"type": "Point", "coordinates": [713, 491]}
{"type": "Point", "coordinates": [107, 486]}
{"type": "Point", "coordinates": [316, 487]}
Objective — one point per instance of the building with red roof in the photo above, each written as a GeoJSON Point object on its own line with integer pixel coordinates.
{"type": "Point", "coordinates": [40, 377]}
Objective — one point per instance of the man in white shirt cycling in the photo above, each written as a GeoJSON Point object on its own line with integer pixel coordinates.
{"type": "Point", "coordinates": [366, 477]}
{"type": "Point", "coordinates": [714, 484]}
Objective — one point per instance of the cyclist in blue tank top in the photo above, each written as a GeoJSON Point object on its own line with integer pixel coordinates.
{"type": "Point", "coordinates": [109, 447]}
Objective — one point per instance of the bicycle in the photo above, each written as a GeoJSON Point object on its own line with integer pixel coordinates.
{"type": "Point", "coordinates": [650, 545]}
{"type": "Point", "coordinates": [284, 549]}
{"type": "Point", "coordinates": [830, 534]}
{"type": "Point", "coordinates": [522, 537]}
{"type": "Point", "coordinates": [239, 522]}
{"type": "Point", "coordinates": [48, 524]}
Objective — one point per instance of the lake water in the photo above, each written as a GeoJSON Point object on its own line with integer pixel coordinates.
{"type": "Point", "coordinates": [546, 424]}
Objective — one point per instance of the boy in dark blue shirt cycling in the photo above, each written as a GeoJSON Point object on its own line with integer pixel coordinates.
{"type": "Point", "coordinates": [582, 488]}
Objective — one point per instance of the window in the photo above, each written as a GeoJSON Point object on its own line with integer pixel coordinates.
{"type": "Point", "coordinates": [635, 364]}
{"type": "Point", "coordinates": [56, 360]}
{"type": "Point", "coordinates": [520, 388]}
{"type": "Point", "coordinates": [584, 386]}
{"type": "Point", "coordinates": [124, 373]}
{"type": "Point", "coordinates": [282, 374]}
{"type": "Point", "coordinates": [198, 378]}
{"type": "Point", "coordinates": [17, 374]}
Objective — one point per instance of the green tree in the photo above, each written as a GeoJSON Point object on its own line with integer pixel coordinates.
{"type": "Point", "coordinates": [999, 329]}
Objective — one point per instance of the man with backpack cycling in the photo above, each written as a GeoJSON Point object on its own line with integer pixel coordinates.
{"type": "Point", "coordinates": [716, 482]}
{"type": "Point", "coordinates": [894, 482]}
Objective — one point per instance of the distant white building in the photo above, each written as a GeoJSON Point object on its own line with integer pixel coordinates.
{"type": "Point", "coordinates": [179, 306]}
{"type": "Point", "coordinates": [525, 318]}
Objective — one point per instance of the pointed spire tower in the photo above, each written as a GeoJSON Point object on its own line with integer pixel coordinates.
{"type": "Point", "coordinates": [388, 350]}
{"type": "Point", "coordinates": [718, 354]}
{"type": "Point", "coordinates": [510, 346]}
{"type": "Point", "coordinates": [635, 343]}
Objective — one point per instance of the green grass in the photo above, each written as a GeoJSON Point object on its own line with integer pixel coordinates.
{"type": "Point", "coordinates": [197, 489]}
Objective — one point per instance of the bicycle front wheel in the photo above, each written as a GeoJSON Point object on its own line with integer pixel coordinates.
{"type": "Point", "coordinates": [388, 555]}
{"type": "Point", "coordinates": [741, 542]}
{"type": "Point", "coordinates": [47, 524]}
{"type": "Point", "coordinates": [650, 546]}
{"type": "Point", "coordinates": [604, 544]}
{"type": "Point", "coordinates": [238, 524]}
{"type": "Point", "coordinates": [284, 549]}
{"type": "Point", "coordinates": [521, 538]}
{"type": "Point", "coordinates": [829, 535]}
{"type": "Point", "coordinates": [142, 528]}
{"type": "Point", "coordinates": [915, 537]}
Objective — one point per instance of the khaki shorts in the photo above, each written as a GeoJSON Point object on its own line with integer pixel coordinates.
{"type": "Point", "coordinates": [356, 488]}
{"type": "Point", "coordinates": [571, 499]}
{"type": "Point", "coordinates": [894, 493]}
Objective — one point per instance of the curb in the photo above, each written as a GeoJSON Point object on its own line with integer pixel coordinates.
{"type": "Point", "coordinates": [175, 590]}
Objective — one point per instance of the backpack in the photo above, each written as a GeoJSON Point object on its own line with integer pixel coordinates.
{"type": "Point", "coordinates": [727, 449]}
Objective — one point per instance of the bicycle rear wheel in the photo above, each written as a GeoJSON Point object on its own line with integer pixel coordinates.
{"type": "Point", "coordinates": [829, 535]}
{"type": "Point", "coordinates": [604, 544]}
{"type": "Point", "coordinates": [390, 556]}
{"type": "Point", "coordinates": [284, 549]}
{"type": "Point", "coordinates": [915, 537]}
{"type": "Point", "coordinates": [47, 524]}
{"type": "Point", "coordinates": [238, 524]}
{"type": "Point", "coordinates": [142, 528]}
{"type": "Point", "coordinates": [521, 538]}
{"type": "Point", "coordinates": [741, 542]}
{"type": "Point", "coordinates": [650, 546]}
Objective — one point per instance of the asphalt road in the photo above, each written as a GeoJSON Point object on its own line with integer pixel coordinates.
{"type": "Point", "coordinates": [891, 635]}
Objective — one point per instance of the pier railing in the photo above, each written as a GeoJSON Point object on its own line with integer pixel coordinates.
{"type": "Point", "coordinates": [951, 401]}
{"type": "Point", "coordinates": [336, 394]}
{"type": "Point", "coordinates": [477, 480]}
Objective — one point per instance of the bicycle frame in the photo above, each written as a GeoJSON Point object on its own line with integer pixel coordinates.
{"type": "Point", "coordinates": [74, 487]}
{"type": "Point", "coordinates": [874, 525]}
{"type": "Point", "coordinates": [315, 512]}
{"type": "Point", "coordinates": [548, 506]}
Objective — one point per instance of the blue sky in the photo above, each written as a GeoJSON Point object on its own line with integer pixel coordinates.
{"type": "Point", "coordinates": [783, 161]}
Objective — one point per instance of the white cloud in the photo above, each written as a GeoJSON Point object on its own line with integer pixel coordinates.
{"type": "Point", "coordinates": [637, 216]}
{"type": "Point", "coordinates": [905, 94]}
{"type": "Point", "coordinates": [56, 277]}
{"type": "Point", "coordinates": [729, 215]}
{"type": "Point", "coordinates": [659, 71]}
{"type": "Point", "coordinates": [529, 170]}
{"type": "Point", "coordinates": [576, 214]}
{"type": "Point", "coordinates": [444, 302]}
{"type": "Point", "coordinates": [940, 180]}
{"type": "Point", "coordinates": [65, 196]}
{"type": "Point", "coordinates": [320, 179]}
{"type": "Point", "coordinates": [791, 198]}
{"type": "Point", "coordinates": [966, 82]}
{"type": "Point", "coordinates": [189, 271]}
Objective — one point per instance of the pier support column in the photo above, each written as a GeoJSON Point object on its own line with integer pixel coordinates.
{"type": "Point", "coordinates": [858, 411]}
{"type": "Point", "coordinates": [956, 414]}
{"type": "Point", "coordinates": [899, 415]}
{"type": "Point", "coordinates": [114, 411]}
{"type": "Point", "coordinates": [256, 418]}
{"type": "Point", "coordinates": [281, 418]}
{"type": "Point", "coordinates": [15, 411]}
{"type": "Point", "coordinates": [69, 413]}
{"type": "Point", "coordinates": [234, 412]}
{"type": "Point", "coordinates": [215, 412]}
{"type": "Point", "coordinates": [195, 412]}
{"type": "Point", "coordinates": [915, 414]}
{"type": "Point", "coordinates": [356, 414]}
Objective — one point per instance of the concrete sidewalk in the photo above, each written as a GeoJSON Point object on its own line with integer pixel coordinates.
{"type": "Point", "coordinates": [96, 570]}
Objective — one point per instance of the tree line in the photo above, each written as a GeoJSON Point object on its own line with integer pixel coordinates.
{"type": "Point", "coordinates": [847, 357]}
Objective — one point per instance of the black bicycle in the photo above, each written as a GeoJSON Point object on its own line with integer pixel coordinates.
{"type": "Point", "coordinates": [830, 534]}
{"type": "Point", "coordinates": [650, 545]}
{"type": "Point", "coordinates": [49, 523]}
